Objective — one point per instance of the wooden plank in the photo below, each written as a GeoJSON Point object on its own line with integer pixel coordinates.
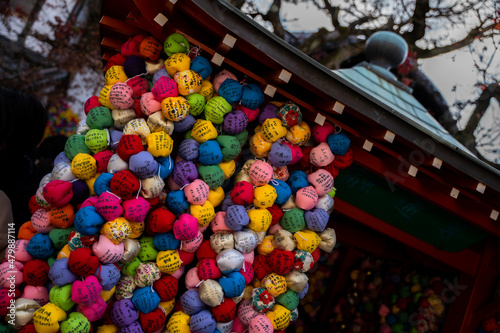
{"type": "Point", "coordinates": [119, 26]}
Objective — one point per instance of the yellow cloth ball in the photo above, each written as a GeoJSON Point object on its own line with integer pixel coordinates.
{"type": "Point", "coordinates": [273, 129]}
{"type": "Point", "coordinates": [307, 240]}
{"type": "Point", "coordinates": [107, 329]}
{"type": "Point", "coordinates": [203, 131]}
{"type": "Point", "coordinates": [168, 261]}
{"type": "Point", "coordinates": [299, 134]}
{"type": "Point", "coordinates": [83, 166]}
{"type": "Point", "coordinates": [228, 168]}
{"type": "Point", "coordinates": [275, 284]}
{"type": "Point", "coordinates": [115, 74]}
{"type": "Point", "coordinates": [104, 96]}
{"type": "Point", "coordinates": [279, 317]}
{"type": "Point", "coordinates": [177, 62]}
{"type": "Point", "coordinates": [47, 318]}
{"type": "Point", "coordinates": [64, 252]}
{"type": "Point", "coordinates": [216, 196]}
{"type": "Point", "coordinates": [137, 229]}
{"type": "Point", "coordinates": [188, 82]}
{"type": "Point", "coordinates": [260, 219]}
{"type": "Point", "coordinates": [90, 183]}
{"type": "Point", "coordinates": [266, 247]}
{"type": "Point", "coordinates": [264, 196]}
{"type": "Point", "coordinates": [160, 144]}
{"type": "Point", "coordinates": [179, 323]}
{"type": "Point", "coordinates": [259, 146]}
{"type": "Point", "coordinates": [117, 230]}
{"type": "Point", "coordinates": [168, 306]}
{"type": "Point", "coordinates": [207, 90]}
{"type": "Point", "coordinates": [175, 108]}
{"type": "Point", "coordinates": [106, 295]}
{"type": "Point", "coordinates": [204, 213]}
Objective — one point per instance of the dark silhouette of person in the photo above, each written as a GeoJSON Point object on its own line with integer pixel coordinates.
{"type": "Point", "coordinates": [22, 123]}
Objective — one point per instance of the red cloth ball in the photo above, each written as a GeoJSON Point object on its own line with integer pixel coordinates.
{"type": "Point", "coordinates": [91, 103]}
{"type": "Point", "coordinates": [186, 257]}
{"type": "Point", "coordinates": [33, 205]}
{"type": "Point", "coordinates": [316, 254]}
{"type": "Point", "coordinates": [30, 328]}
{"type": "Point", "coordinates": [153, 321]}
{"type": "Point", "coordinates": [242, 193]}
{"type": "Point", "coordinates": [102, 158]}
{"type": "Point", "coordinates": [58, 192]}
{"type": "Point", "coordinates": [208, 269]}
{"type": "Point", "coordinates": [261, 267]}
{"type": "Point", "coordinates": [137, 109]}
{"type": "Point", "coordinates": [343, 161]}
{"type": "Point", "coordinates": [330, 168]}
{"type": "Point", "coordinates": [225, 312]}
{"type": "Point", "coordinates": [281, 262]}
{"type": "Point", "coordinates": [131, 46]}
{"type": "Point", "coordinates": [305, 162]}
{"type": "Point", "coordinates": [129, 144]}
{"type": "Point", "coordinates": [116, 60]}
{"type": "Point", "coordinates": [276, 213]}
{"type": "Point", "coordinates": [166, 287]}
{"type": "Point", "coordinates": [36, 272]}
{"type": "Point", "coordinates": [124, 183]}
{"type": "Point", "coordinates": [161, 220]}
{"type": "Point", "coordinates": [139, 86]}
{"type": "Point", "coordinates": [82, 262]}
{"type": "Point", "coordinates": [205, 251]}
{"type": "Point", "coordinates": [5, 296]}
{"type": "Point", "coordinates": [85, 240]}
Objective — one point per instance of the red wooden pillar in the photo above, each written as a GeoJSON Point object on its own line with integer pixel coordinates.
{"type": "Point", "coordinates": [471, 297]}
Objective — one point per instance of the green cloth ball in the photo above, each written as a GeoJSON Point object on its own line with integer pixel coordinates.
{"type": "Point", "coordinates": [51, 261]}
{"type": "Point", "coordinates": [130, 267]}
{"type": "Point", "coordinates": [76, 145]}
{"type": "Point", "coordinates": [397, 328]}
{"type": "Point", "coordinates": [196, 103]}
{"type": "Point", "coordinates": [404, 291]}
{"type": "Point", "coordinates": [212, 175]}
{"type": "Point", "coordinates": [242, 137]}
{"type": "Point", "coordinates": [290, 300]}
{"type": "Point", "coordinates": [216, 108]}
{"type": "Point", "coordinates": [402, 317]}
{"type": "Point", "coordinates": [60, 236]}
{"type": "Point", "coordinates": [176, 43]}
{"type": "Point", "coordinates": [97, 140]}
{"type": "Point", "coordinates": [293, 220]}
{"type": "Point", "coordinates": [76, 322]}
{"type": "Point", "coordinates": [99, 118]}
{"type": "Point", "coordinates": [61, 296]}
{"type": "Point", "coordinates": [148, 251]}
{"type": "Point", "coordinates": [187, 135]}
{"type": "Point", "coordinates": [230, 147]}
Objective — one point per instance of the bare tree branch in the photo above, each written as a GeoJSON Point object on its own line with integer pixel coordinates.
{"type": "Point", "coordinates": [471, 36]}
{"type": "Point", "coordinates": [273, 16]}
{"type": "Point", "coordinates": [334, 14]}
{"type": "Point", "coordinates": [422, 7]}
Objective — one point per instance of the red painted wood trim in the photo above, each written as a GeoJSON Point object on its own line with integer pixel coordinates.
{"type": "Point", "coordinates": [465, 261]}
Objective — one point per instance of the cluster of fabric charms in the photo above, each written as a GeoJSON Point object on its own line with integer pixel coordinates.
{"type": "Point", "coordinates": [158, 218]}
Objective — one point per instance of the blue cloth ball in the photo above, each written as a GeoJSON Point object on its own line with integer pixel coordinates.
{"type": "Point", "coordinates": [166, 241]}
{"type": "Point", "coordinates": [201, 66]}
{"type": "Point", "coordinates": [176, 202]}
{"type": "Point", "coordinates": [210, 153]}
{"type": "Point", "coordinates": [103, 183]}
